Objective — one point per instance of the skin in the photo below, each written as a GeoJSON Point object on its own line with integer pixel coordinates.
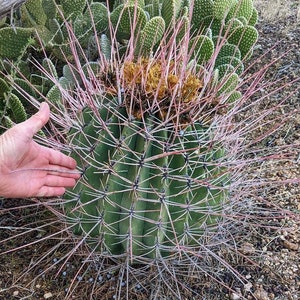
{"type": "Point", "coordinates": [28, 169]}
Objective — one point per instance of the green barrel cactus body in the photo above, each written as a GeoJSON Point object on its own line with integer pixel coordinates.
{"type": "Point", "coordinates": [146, 188]}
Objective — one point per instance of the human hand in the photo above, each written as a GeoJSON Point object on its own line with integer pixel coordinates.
{"type": "Point", "coordinates": [28, 169]}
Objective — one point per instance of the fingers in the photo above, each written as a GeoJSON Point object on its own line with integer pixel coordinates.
{"type": "Point", "coordinates": [63, 172]}
{"type": "Point", "coordinates": [37, 121]}
{"type": "Point", "coordinates": [55, 186]}
{"type": "Point", "coordinates": [48, 191]}
{"type": "Point", "coordinates": [59, 159]}
{"type": "Point", "coordinates": [58, 181]}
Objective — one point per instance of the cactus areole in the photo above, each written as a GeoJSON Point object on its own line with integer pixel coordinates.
{"type": "Point", "coordinates": [154, 176]}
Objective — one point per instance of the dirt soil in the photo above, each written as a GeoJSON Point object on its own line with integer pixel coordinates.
{"type": "Point", "coordinates": [275, 274]}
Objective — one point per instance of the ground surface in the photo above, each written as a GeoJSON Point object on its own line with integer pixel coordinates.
{"type": "Point", "coordinates": [275, 245]}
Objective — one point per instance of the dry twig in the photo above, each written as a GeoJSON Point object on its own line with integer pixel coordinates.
{"type": "Point", "coordinates": [7, 6]}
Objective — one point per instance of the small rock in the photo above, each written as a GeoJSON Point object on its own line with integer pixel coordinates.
{"type": "Point", "coordinates": [235, 296]}
{"type": "Point", "coordinates": [248, 286]}
{"type": "Point", "coordinates": [290, 245]}
{"type": "Point", "coordinates": [248, 248]}
{"type": "Point", "coordinates": [48, 295]}
{"type": "Point", "coordinates": [15, 293]}
{"type": "Point", "coordinates": [261, 294]}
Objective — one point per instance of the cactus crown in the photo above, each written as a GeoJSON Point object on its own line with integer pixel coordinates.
{"type": "Point", "coordinates": [158, 89]}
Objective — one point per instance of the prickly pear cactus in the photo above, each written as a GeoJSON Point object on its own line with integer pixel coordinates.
{"type": "Point", "coordinates": [13, 42]}
{"type": "Point", "coordinates": [40, 27]}
{"type": "Point", "coordinates": [11, 108]}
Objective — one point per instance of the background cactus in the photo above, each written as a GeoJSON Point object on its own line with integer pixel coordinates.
{"type": "Point", "coordinates": [13, 42]}
{"type": "Point", "coordinates": [39, 28]}
{"type": "Point", "coordinates": [11, 108]}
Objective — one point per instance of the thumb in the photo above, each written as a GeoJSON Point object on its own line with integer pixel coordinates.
{"type": "Point", "coordinates": [37, 121]}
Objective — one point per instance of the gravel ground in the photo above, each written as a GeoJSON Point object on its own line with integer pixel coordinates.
{"type": "Point", "coordinates": [279, 277]}
{"type": "Point", "coordinates": [275, 275]}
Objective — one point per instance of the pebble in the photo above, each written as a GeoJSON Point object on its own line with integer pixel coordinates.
{"type": "Point", "coordinates": [235, 296]}
{"type": "Point", "coordinates": [291, 246]}
{"type": "Point", "coordinates": [48, 295]}
{"type": "Point", "coordinates": [248, 248]}
{"type": "Point", "coordinates": [15, 293]}
{"type": "Point", "coordinates": [248, 286]}
{"type": "Point", "coordinates": [261, 294]}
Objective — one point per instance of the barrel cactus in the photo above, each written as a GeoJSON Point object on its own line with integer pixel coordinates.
{"type": "Point", "coordinates": [153, 177]}
{"type": "Point", "coordinates": [143, 129]}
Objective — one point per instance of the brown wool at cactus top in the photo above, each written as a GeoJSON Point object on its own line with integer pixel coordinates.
{"type": "Point", "coordinates": [151, 86]}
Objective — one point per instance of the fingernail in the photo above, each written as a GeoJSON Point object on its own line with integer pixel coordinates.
{"type": "Point", "coordinates": [43, 106]}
